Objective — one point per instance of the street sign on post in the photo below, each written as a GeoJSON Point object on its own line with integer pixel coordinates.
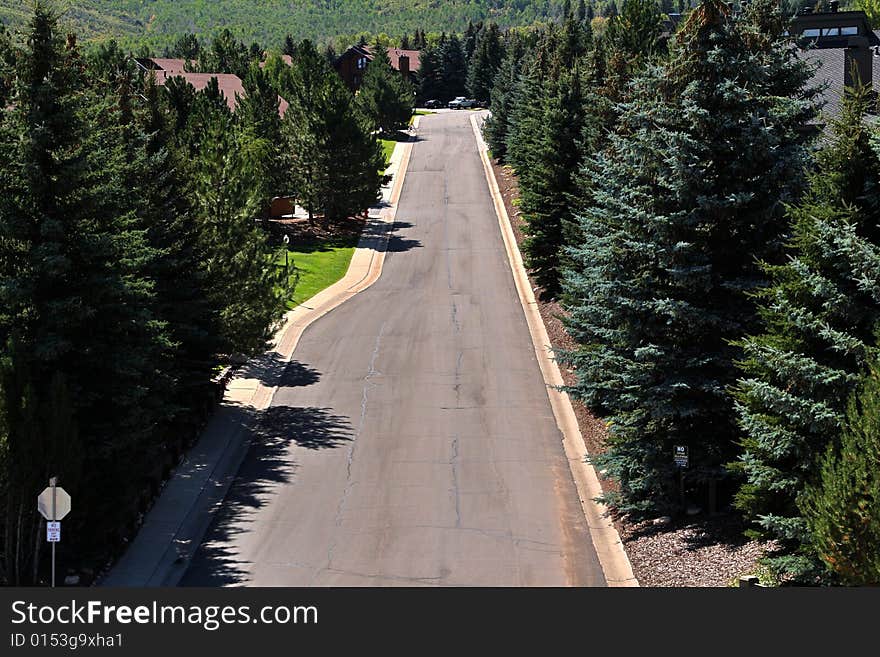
{"type": "Point", "coordinates": [61, 501]}
{"type": "Point", "coordinates": [53, 504]}
{"type": "Point", "coordinates": [680, 454]}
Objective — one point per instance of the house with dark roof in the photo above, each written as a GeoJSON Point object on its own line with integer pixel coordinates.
{"type": "Point", "coordinates": [230, 85]}
{"type": "Point", "coordinates": [843, 48]}
{"type": "Point", "coordinates": [352, 64]}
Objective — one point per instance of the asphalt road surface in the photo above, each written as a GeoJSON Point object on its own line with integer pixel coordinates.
{"type": "Point", "coordinates": [412, 441]}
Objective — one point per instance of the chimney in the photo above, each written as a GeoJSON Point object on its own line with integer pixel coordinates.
{"type": "Point", "coordinates": [403, 64]}
{"type": "Point", "coordinates": [857, 62]}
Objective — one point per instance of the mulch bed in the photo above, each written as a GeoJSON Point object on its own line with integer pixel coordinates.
{"type": "Point", "coordinates": [304, 232]}
{"type": "Point", "coordinates": [701, 550]}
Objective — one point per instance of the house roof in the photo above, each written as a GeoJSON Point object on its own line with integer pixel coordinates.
{"type": "Point", "coordinates": [230, 86]}
{"type": "Point", "coordinates": [394, 54]}
{"type": "Point", "coordinates": [830, 68]}
{"type": "Point", "coordinates": [415, 58]}
{"type": "Point", "coordinates": [166, 64]}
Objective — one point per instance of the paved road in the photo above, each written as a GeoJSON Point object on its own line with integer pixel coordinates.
{"type": "Point", "coordinates": [412, 441]}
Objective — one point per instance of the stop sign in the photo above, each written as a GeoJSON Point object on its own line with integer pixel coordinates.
{"type": "Point", "coordinates": [62, 503]}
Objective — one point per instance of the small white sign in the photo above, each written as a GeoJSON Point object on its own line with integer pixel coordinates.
{"type": "Point", "coordinates": [53, 532]}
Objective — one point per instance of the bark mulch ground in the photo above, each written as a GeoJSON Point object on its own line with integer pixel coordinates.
{"type": "Point", "coordinates": [702, 550]}
{"type": "Point", "coordinates": [302, 231]}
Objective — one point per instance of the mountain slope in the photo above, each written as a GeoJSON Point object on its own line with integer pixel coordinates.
{"type": "Point", "coordinates": [160, 22]}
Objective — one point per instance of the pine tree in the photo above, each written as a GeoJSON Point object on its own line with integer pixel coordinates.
{"type": "Point", "coordinates": [385, 98]}
{"type": "Point", "coordinates": [688, 195]}
{"type": "Point", "coordinates": [430, 75]}
{"type": "Point", "coordinates": [334, 157]}
{"type": "Point", "coordinates": [485, 63]}
{"type": "Point", "coordinates": [78, 335]}
{"type": "Point", "coordinates": [819, 317]}
{"type": "Point", "coordinates": [242, 279]}
{"type": "Point", "coordinates": [454, 68]}
{"type": "Point", "coordinates": [289, 47]}
{"type": "Point", "coordinates": [547, 191]}
{"type": "Point", "coordinates": [259, 111]}
{"type": "Point", "coordinates": [497, 127]}
{"type": "Point", "coordinates": [186, 47]}
{"type": "Point", "coordinates": [842, 507]}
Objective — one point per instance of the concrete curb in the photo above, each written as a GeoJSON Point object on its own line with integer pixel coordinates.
{"type": "Point", "coordinates": [180, 517]}
{"type": "Point", "coordinates": [609, 548]}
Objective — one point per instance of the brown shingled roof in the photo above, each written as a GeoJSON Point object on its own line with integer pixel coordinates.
{"type": "Point", "coordinates": [394, 54]}
{"type": "Point", "coordinates": [230, 86]}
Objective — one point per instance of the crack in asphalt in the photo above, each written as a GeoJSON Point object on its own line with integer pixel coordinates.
{"type": "Point", "coordinates": [454, 462]}
{"type": "Point", "coordinates": [394, 578]}
{"type": "Point", "coordinates": [349, 483]}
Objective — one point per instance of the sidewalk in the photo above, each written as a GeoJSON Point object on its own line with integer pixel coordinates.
{"type": "Point", "coordinates": [180, 517]}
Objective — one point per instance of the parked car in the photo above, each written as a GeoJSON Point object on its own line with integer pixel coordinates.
{"type": "Point", "coordinates": [433, 104]}
{"type": "Point", "coordinates": [456, 102]}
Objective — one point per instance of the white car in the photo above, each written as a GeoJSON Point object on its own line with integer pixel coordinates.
{"type": "Point", "coordinates": [456, 102]}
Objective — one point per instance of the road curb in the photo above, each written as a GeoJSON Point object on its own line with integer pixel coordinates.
{"type": "Point", "coordinates": [609, 548]}
{"type": "Point", "coordinates": [175, 526]}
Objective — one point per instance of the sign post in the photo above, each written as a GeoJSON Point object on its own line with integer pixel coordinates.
{"type": "Point", "coordinates": [53, 504]}
{"type": "Point", "coordinates": [680, 456]}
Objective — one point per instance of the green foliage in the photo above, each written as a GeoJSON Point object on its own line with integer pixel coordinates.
{"type": "Point", "coordinates": [497, 126]}
{"type": "Point", "coordinates": [258, 111]}
{"type": "Point", "coordinates": [385, 98]}
{"type": "Point", "coordinates": [336, 160]}
{"type": "Point", "coordinates": [545, 125]}
{"type": "Point", "coordinates": [133, 260]}
{"type": "Point", "coordinates": [485, 62]}
{"type": "Point", "coordinates": [819, 317]}
{"type": "Point", "coordinates": [78, 332]}
{"type": "Point", "coordinates": [842, 508]}
{"type": "Point", "coordinates": [688, 195]}
{"type": "Point", "coordinates": [160, 23]}
{"type": "Point", "coordinates": [242, 278]}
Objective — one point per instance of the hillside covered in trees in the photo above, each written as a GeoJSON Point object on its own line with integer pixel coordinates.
{"type": "Point", "coordinates": [160, 22]}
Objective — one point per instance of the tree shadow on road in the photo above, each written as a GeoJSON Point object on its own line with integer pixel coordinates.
{"type": "Point", "coordinates": [398, 244]}
{"type": "Point", "coordinates": [272, 369]}
{"type": "Point", "coordinates": [266, 468]}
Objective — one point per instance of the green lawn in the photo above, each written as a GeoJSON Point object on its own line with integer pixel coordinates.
{"type": "Point", "coordinates": [387, 148]}
{"type": "Point", "coordinates": [318, 264]}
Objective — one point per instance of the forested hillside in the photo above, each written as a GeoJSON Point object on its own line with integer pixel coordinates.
{"type": "Point", "coordinates": [158, 23]}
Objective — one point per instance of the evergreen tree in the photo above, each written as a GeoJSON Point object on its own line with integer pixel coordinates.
{"type": "Point", "coordinates": [549, 186]}
{"type": "Point", "coordinates": [186, 47]}
{"type": "Point", "coordinates": [77, 331]}
{"type": "Point", "coordinates": [842, 507]}
{"type": "Point", "coordinates": [819, 317]}
{"type": "Point", "coordinates": [453, 67]}
{"type": "Point", "coordinates": [226, 54]}
{"type": "Point", "coordinates": [385, 98]}
{"type": "Point", "coordinates": [469, 41]}
{"type": "Point", "coordinates": [259, 111]}
{"type": "Point", "coordinates": [335, 159]}
{"type": "Point", "coordinates": [688, 195]}
{"type": "Point", "coordinates": [485, 63]}
{"type": "Point", "coordinates": [289, 47]}
{"type": "Point", "coordinates": [430, 76]}
{"type": "Point", "coordinates": [497, 126]}
{"type": "Point", "coordinates": [243, 281]}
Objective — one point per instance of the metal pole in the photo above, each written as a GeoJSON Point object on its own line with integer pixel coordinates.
{"type": "Point", "coordinates": [681, 487]}
{"type": "Point", "coordinates": [52, 483]}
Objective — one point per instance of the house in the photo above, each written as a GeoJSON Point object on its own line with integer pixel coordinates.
{"type": "Point", "coordinates": [843, 47]}
{"type": "Point", "coordinates": [352, 64]}
{"type": "Point", "coordinates": [230, 85]}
